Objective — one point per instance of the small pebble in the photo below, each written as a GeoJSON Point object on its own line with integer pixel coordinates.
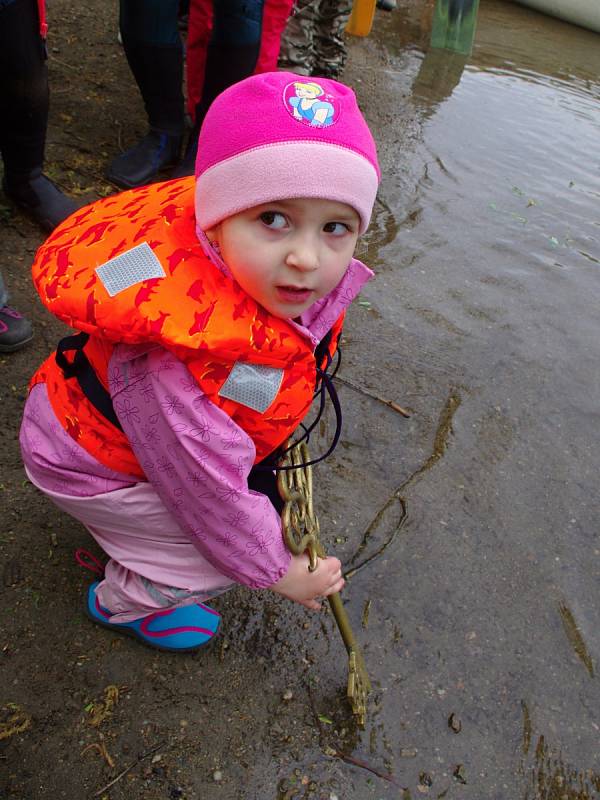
{"type": "Point", "coordinates": [288, 694]}
{"type": "Point", "coordinates": [408, 752]}
{"type": "Point", "coordinates": [425, 780]}
{"type": "Point", "coordinates": [217, 775]}
{"type": "Point", "coordinates": [459, 773]}
{"type": "Point", "coordinates": [454, 723]}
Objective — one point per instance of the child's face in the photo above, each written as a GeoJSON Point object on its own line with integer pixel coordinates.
{"type": "Point", "coordinates": [302, 91]}
{"type": "Point", "coordinates": [290, 253]}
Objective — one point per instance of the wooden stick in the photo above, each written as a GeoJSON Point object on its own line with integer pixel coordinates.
{"type": "Point", "coordinates": [357, 762]}
{"type": "Point", "coordinates": [374, 396]}
{"type": "Point", "coordinates": [128, 769]}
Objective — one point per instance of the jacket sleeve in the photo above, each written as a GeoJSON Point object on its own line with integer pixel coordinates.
{"type": "Point", "coordinates": [198, 460]}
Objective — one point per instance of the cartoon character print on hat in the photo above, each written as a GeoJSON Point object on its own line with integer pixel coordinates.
{"type": "Point", "coordinates": [309, 103]}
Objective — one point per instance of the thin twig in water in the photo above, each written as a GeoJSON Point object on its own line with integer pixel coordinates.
{"type": "Point", "coordinates": [404, 513]}
{"type": "Point", "coordinates": [357, 762]}
{"type": "Point", "coordinates": [374, 396]}
{"type": "Point", "coordinates": [129, 768]}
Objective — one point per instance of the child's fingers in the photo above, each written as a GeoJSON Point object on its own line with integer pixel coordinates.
{"type": "Point", "coordinates": [332, 564]}
{"type": "Point", "coordinates": [313, 605]}
{"type": "Point", "coordinates": [337, 586]}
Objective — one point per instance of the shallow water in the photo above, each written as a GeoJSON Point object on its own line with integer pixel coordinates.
{"type": "Point", "coordinates": [484, 590]}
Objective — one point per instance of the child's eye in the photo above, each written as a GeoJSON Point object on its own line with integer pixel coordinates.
{"type": "Point", "coordinates": [336, 228]}
{"type": "Point", "coordinates": [273, 219]}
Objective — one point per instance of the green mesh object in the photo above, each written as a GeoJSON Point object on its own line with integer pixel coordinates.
{"type": "Point", "coordinates": [301, 535]}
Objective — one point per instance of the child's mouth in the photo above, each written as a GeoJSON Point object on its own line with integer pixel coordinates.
{"type": "Point", "coordinates": [293, 294]}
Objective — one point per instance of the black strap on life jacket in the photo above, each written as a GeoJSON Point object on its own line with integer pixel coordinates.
{"type": "Point", "coordinates": [83, 372]}
{"type": "Point", "coordinates": [324, 384]}
{"type": "Point", "coordinates": [322, 356]}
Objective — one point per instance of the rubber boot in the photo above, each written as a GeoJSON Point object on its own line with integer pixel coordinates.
{"type": "Point", "coordinates": [142, 162]}
{"type": "Point", "coordinates": [38, 197]}
{"type": "Point", "coordinates": [158, 71]}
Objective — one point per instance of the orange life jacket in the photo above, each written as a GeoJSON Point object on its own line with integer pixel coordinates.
{"type": "Point", "coordinates": [193, 310]}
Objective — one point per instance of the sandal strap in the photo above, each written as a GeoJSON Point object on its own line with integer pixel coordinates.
{"type": "Point", "coordinates": [89, 561]}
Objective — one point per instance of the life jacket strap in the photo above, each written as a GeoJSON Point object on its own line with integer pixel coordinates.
{"type": "Point", "coordinates": [83, 372]}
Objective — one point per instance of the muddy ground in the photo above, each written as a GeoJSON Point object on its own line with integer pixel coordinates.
{"type": "Point", "coordinates": [257, 716]}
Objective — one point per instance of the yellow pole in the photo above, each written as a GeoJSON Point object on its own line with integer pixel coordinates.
{"type": "Point", "coordinates": [361, 18]}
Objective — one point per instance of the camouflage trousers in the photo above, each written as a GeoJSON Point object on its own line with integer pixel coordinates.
{"type": "Point", "coordinates": [313, 41]}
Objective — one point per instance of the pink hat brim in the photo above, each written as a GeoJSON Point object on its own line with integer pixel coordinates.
{"type": "Point", "coordinates": [285, 170]}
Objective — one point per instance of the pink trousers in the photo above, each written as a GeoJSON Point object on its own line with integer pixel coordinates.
{"type": "Point", "coordinates": [152, 565]}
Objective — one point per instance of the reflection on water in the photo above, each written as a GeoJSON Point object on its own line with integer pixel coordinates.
{"type": "Point", "coordinates": [519, 141]}
{"type": "Point", "coordinates": [438, 76]}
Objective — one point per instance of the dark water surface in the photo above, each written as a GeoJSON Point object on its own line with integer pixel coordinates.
{"type": "Point", "coordinates": [485, 605]}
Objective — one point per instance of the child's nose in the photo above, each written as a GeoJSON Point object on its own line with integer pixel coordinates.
{"type": "Point", "coordinates": [303, 254]}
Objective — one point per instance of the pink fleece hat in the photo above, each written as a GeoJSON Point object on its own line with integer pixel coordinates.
{"type": "Point", "coordinates": [278, 135]}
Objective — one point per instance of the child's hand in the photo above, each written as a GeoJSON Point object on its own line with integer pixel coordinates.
{"type": "Point", "coordinates": [304, 587]}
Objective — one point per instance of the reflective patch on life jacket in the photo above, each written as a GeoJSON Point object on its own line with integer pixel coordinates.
{"type": "Point", "coordinates": [252, 385]}
{"type": "Point", "coordinates": [131, 267]}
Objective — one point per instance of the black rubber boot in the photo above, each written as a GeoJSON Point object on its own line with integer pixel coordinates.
{"type": "Point", "coordinates": [142, 162]}
{"type": "Point", "coordinates": [38, 197]}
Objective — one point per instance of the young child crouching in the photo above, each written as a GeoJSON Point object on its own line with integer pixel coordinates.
{"type": "Point", "coordinates": [206, 311]}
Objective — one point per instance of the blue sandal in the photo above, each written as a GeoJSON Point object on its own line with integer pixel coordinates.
{"type": "Point", "coordinates": [178, 630]}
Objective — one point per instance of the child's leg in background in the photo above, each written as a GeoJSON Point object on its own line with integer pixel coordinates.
{"type": "Point", "coordinates": [153, 565]}
{"type": "Point", "coordinates": [227, 41]}
{"type": "Point", "coordinates": [154, 52]}
{"type": "Point", "coordinates": [329, 45]}
{"type": "Point", "coordinates": [24, 106]}
{"type": "Point", "coordinates": [297, 52]}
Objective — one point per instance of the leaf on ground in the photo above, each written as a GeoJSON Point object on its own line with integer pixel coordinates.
{"type": "Point", "coordinates": [13, 720]}
{"type": "Point", "coordinates": [101, 711]}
